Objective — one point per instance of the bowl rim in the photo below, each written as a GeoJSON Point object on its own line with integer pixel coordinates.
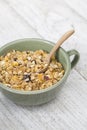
{"type": "Point", "coordinates": [42, 90]}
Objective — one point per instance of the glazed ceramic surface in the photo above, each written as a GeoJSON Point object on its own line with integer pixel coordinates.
{"type": "Point", "coordinates": [39, 96]}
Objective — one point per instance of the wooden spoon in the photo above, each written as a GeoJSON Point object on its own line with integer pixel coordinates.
{"type": "Point", "coordinates": [57, 45]}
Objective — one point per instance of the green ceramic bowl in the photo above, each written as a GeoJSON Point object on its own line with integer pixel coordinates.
{"type": "Point", "coordinates": [39, 96]}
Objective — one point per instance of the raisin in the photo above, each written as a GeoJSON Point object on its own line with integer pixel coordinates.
{"type": "Point", "coordinates": [46, 77]}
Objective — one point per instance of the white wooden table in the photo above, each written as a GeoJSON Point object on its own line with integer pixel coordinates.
{"type": "Point", "coordinates": [48, 19]}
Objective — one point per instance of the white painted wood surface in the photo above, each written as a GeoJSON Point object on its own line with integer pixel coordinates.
{"type": "Point", "coordinates": [48, 19]}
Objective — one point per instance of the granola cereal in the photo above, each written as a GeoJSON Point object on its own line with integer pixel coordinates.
{"type": "Point", "coordinates": [18, 70]}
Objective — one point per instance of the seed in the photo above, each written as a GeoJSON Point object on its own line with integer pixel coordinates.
{"type": "Point", "coordinates": [15, 59]}
{"type": "Point", "coordinates": [6, 58]}
{"type": "Point", "coordinates": [2, 63]}
{"type": "Point", "coordinates": [8, 85]}
{"type": "Point", "coordinates": [33, 62]}
{"type": "Point", "coordinates": [27, 52]}
{"type": "Point", "coordinates": [27, 77]}
{"type": "Point", "coordinates": [15, 63]}
{"type": "Point", "coordinates": [29, 58]}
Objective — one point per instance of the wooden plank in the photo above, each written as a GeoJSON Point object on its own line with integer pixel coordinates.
{"type": "Point", "coordinates": [67, 111]}
{"type": "Point", "coordinates": [12, 27]}
{"type": "Point", "coordinates": [78, 7]}
{"type": "Point", "coordinates": [51, 23]}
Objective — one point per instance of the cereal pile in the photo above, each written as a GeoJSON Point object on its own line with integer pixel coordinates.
{"type": "Point", "coordinates": [18, 70]}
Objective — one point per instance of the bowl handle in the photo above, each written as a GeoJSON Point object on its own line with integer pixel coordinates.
{"type": "Point", "coordinates": [76, 57]}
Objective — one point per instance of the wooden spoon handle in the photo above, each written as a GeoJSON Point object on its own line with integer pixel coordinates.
{"type": "Point", "coordinates": [58, 44]}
